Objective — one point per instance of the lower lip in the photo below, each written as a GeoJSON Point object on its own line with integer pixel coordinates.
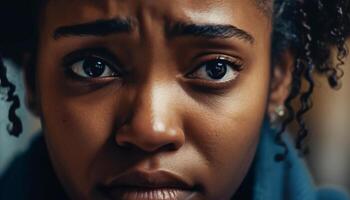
{"type": "Point", "coordinates": [150, 194]}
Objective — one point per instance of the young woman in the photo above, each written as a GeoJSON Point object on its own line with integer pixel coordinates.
{"type": "Point", "coordinates": [155, 100]}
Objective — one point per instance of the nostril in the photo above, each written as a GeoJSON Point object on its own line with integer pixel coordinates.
{"type": "Point", "coordinates": [169, 147]}
{"type": "Point", "coordinates": [125, 145]}
{"type": "Point", "coordinates": [147, 144]}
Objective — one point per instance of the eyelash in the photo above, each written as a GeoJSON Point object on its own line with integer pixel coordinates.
{"type": "Point", "coordinates": [231, 64]}
{"type": "Point", "coordinates": [97, 53]}
{"type": "Point", "coordinates": [235, 64]}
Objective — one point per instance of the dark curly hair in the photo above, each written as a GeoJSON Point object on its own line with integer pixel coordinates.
{"type": "Point", "coordinates": [309, 29]}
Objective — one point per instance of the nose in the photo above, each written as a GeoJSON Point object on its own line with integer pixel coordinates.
{"type": "Point", "coordinates": [154, 123]}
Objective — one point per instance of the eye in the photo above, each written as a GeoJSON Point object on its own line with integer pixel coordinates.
{"type": "Point", "coordinates": [219, 70]}
{"type": "Point", "coordinates": [93, 67]}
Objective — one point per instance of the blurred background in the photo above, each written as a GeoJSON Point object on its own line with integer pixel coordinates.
{"type": "Point", "coordinates": [329, 123]}
{"type": "Point", "coordinates": [329, 157]}
{"type": "Point", "coordinates": [9, 145]}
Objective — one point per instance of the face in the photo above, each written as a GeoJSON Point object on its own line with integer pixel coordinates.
{"type": "Point", "coordinates": [152, 100]}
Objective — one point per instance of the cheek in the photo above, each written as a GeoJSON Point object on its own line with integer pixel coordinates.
{"type": "Point", "coordinates": [73, 138]}
{"type": "Point", "coordinates": [227, 133]}
{"type": "Point", "coordinates": [76, 128]}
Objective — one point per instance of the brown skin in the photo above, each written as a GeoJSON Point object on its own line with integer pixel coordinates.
{"type": "Point", "coordinates": [156, 118]}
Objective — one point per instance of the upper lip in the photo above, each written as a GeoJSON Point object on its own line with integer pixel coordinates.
{"type": "Point", "coordinates": [150, 180]}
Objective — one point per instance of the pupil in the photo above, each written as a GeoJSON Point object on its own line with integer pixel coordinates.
{"type": "Point", "coordinates": [216, 70]}
{"type": "Point", "coordinates": [93, 67]}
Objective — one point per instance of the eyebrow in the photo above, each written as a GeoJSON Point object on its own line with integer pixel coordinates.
{"type": "Point", "coordinates": [96, 28]}
{"type": "Point", "coordinates": [211, 31]}
{"type": "Point", "coordinates": [122, 25]}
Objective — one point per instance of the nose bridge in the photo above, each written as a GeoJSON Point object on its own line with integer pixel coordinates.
{"type": "Point", "coordinates": [151, 107]}
{"type": "Point", "coordinates": [154, 123]}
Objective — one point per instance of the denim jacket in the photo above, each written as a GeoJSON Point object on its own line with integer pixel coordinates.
{"type": "Point", "coordinates": [286, 180]}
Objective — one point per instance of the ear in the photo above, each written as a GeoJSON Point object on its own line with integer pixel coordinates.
{"type": "Point", "coordinates": [280, 82]}
{"type": "Point", "coordinates": [31, 100]}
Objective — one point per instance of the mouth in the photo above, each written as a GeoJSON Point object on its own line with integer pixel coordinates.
{"type": "Point", "coordinates": [141, 185]}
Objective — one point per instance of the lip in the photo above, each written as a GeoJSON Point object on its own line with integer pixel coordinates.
{"type": "Point", "coordinates": [144, 185]}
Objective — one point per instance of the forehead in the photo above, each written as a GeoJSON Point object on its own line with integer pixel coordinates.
{"type": "Point", "coordinates": [89, 9]}
{"type": "Point", "coordinates": [265, 6]}
{"type": "Point", "coordinates": [262, 5]}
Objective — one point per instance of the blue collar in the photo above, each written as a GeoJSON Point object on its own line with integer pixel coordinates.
{"type": "Point", "coordinates": [288, 179]}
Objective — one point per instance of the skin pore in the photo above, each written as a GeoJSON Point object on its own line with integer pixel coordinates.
{"type": "Point", "coordinates": [153, 99]}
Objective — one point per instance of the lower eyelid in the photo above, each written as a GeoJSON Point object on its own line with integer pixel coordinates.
{"type": "Point", "coordinates": [211, 87]}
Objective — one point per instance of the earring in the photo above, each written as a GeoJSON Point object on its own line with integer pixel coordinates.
{"type": "Point", "coordinates": [279, 112]}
